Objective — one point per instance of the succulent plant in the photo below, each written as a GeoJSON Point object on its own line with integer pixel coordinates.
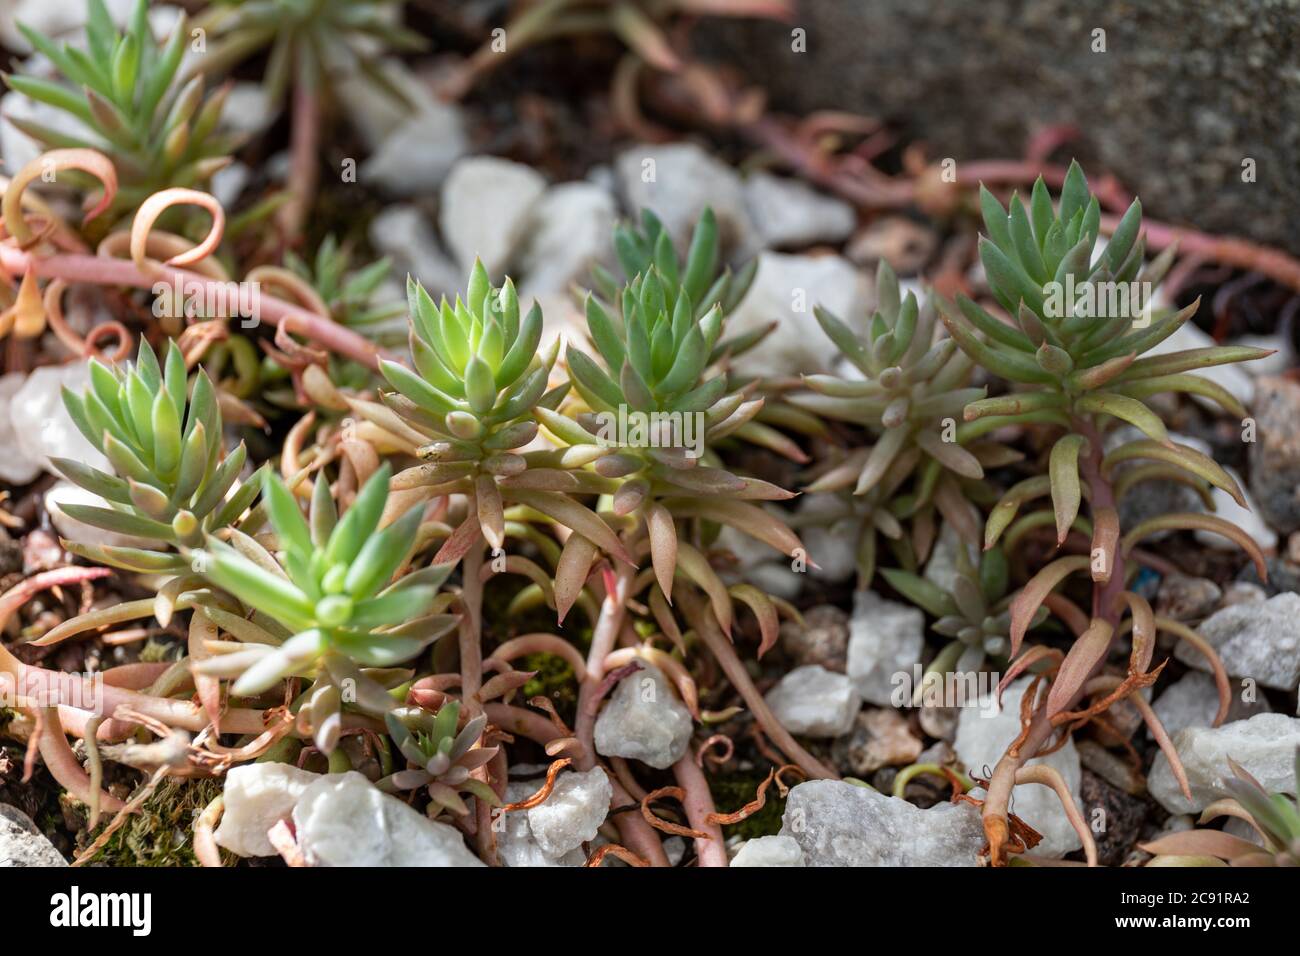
{"type": "Point", "coordinates": [122, 89]}
{"type": "Point", "coordinates": [331, 592]}
{"type": "Point", "coordinates": [910, 384]}
{"type": "Point", "coordinates": [1073, 353]}
{"type": "Point", "coordinates": [639, 247]}
{"type": "Point", "coordinates": [173, 483]}
{"type": "Point", "coordinates": [1274, 816]}
{"type": "Point", "coordinates": [442, 757]}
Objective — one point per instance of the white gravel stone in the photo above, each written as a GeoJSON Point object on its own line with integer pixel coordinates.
{"type": "Point", "coordinates": [833, 546]}
{"type": "Point", "coordinates": [343, 820]}
{"type": "Point", "coordinates": [402, 233]}
{"type": "Point", "coordinates": [814, 702]}
{"type": "Point", "coordinates": [1283, 356]}
{"type": "Point", "coordinates": [787, 212]}
{"type": "Point", "coordinates": [840, 824]}
{"type": "Point", "coordinates": [516, 845]}
{"type": "Point", "coordinates": [375, 113]}
{"type": "Point", "coordinates": [15, 468]}
{"type": "Point", "coordinates": [22, 843]}
{"type": "Point", "coordinates": [248, 110]}
{"type": "Point", "coordinates": [567, 232]}
{"type": "Point", "coordinates": [770, 851]}
{"type": "Point", "coordinates": [486, 204]}
{"type": "Point", "coordinates": [1193, 701]}
{"type": "Point", "coordinates": [1254, 640]}
{"type": "Point", "coordinates": [42, 427]}
{"type": "Point", "coordinates": [785, 289]}
{"type": "Point", "coordinates": [1264, 746]}
{"type": "Point", "coordinates": [885, 640]}
{"type": "Point", "coordinates": [18, 148]}
{"type": "Point", "coordinates": [573, 812]}
{"type": "Point", "coordinates": [66, 493]}
{"type": "Point", "coordinates": [52, 19]}
{"type": "Point", "coordinates": [644, 720]}
{"type": "Point", "coordinates": [983, 734]}
{"type": "Point", "coordinates": [227, 184]}
{"type": "Point", "coordinates": [416, 157]}
{"type": "Point", "coordinates": [676, 182]}
{"type": "Point", "coordinates": [257, 796]}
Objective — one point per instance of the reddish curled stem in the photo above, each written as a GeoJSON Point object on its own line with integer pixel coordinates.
{"type": "Point", "coordinates": [710, 848]}
{"type": "Point", "coordinates": [22, 592]}
{"type": "Point", "coordinates": [102, 270]}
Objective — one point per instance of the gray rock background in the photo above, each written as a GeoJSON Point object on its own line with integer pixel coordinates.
{"type": "Point", "coordinates": [1185, 91]}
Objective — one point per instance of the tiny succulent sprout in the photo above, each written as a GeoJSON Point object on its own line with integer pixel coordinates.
{"type": "Point", "coordinates": [441, 756]}
{"type": "Point", "coordinates": [348, 295]}
{"type": "Point", "coordinates": [973, 613]}
{"type": "Point", "coordinates": [123, 94]}
{"type": "Point", "coordinates": [173, 483]}
{"type": "Point", "coordinates": [330, 588]}
{"type": "Point", "coordinates": [1275, 818]}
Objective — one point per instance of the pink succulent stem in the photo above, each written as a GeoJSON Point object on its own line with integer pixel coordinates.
{"type": "Point", "coordinates": [304, 148]}
{"type": "Point", "coordinates": [105, 270]}
{"type": "Point", "coordinates": [1105, 605]}
{"type": "Point", "coordinates": [698, 801]}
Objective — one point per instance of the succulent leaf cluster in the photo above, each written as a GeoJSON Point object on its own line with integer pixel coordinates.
{"type": "Point", "coordinates": [910, 383]}
{"type": "Point", "coordinates": [123, 89]}
{"type": "Point", "coordinates": [441, 755]}
{"type": "Point", "coordinates": [1081, 322]}
{"type": "Point", "coordinates": [660, 336]}
{"type": "Point", "coordinates": [173, 483]}
{"type": "Point", "coordinates": [331, 589]}
{"type": "Point", "coordinates": [477, 384]}
{"type": "Point", "coordinates": [477, 375]}
{"type": "Point", "coordinates": [909, 392]}
{"type": "Point", "coordinates": [308, 40]}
